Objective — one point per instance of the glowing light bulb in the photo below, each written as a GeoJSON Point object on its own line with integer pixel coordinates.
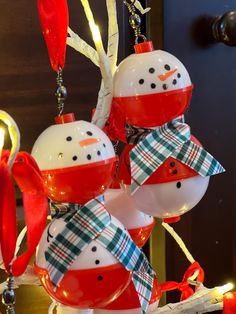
{"type": "Point", "coordinates": [225, 288]}
{"type": "Point", "coordinates": [96, 33]}
{"type": "Point", "coordinates": [2, 133]}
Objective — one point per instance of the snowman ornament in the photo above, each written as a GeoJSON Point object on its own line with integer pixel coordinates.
{"type": "Point", "coordinates": [152, 90]}
{"type": "Point", "coordinates": [77, 161]}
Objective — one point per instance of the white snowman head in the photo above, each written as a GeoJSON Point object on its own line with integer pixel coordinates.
{"type": "Point", "coordinates": [75, 157]}
{"type": "Point", "coordinates": [171, 199]}
{"type": "Point", "coordinates": [95, 277]}
{"type": "Point", "coordinates": [150, 73]}
{"type": "Point", "coordinates": [172, 190]}
{"type": "Point", "coordinates": [153, 83]}
{"type": "Point", "coordinates": [94, 256]}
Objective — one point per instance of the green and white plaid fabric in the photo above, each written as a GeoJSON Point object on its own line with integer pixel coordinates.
{"type": "Point", "coordinates": [171, 139]}
{"type": "Point", "coordinates": [89, 222]}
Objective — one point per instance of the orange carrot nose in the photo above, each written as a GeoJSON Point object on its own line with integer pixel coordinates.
{"type": "Point", "coordinates": [89, 141]}
{"type": "Point", "coordinates": [166, 75]}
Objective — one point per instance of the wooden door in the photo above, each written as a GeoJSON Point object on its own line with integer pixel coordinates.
{"type": "Point", "coordinates": [209, 230]}
{"type": "Point", "coordinates": [27, 85]}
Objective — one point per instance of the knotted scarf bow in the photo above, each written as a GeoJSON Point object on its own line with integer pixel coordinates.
{"type": "Point", "coordinates": [171, 139]}
{"type": "Point", "coordinates": [184, 286]}
{"type": "Point", "coordinates": [89, 222]}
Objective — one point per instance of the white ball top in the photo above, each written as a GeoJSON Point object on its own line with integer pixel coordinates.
{"type": "Point", "coordinates": [122, 206]}
{"type": "Point", "coordinates": [171, 199]}
{"type": "Point", "coordinates": [93, 256]}
{"type": "Point", "coordinates": [150, 73]}
{"type": "Point", "coordinates": [71, 144]}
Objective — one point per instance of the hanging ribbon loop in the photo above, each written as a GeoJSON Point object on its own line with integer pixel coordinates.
{"type": "Point", "coordinates": [53, 16]}
{"type": "Point", "coordinates": [184, 285]}
{"type": "Point", "coordinates": [27, 175]}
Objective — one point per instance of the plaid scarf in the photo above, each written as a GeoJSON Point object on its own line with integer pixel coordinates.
{"type": "Point", "coordinates": [171, 139]}
{"type": "Point", "coordinates": [89, 222]}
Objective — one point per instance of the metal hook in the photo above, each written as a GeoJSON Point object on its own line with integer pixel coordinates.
{"type": "Point", "coordinates": [8, 296]}
{"type": "Point", "coordinates": [134, 20]}
{"type": "Point", "coordinates": [61, 92]}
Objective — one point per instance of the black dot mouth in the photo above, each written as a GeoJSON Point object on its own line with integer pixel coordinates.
{"type": "Point", "coordinates": [178, 185]}
{"type": "Point", "coordinates": [151, 70]}
{"type": "Point", "coordinates": [141, 81]}
{"type": "Point", "coordinates": [167, 67]}
{"type": "Point", "coordinates": [165, 86]}
{"type": "Point", "coordinates": [69, 138]}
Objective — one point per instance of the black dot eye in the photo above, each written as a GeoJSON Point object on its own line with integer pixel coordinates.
{"type": "Point", "coordinates": [175, 171]}
{"type": "Point", "coordinates": [69, 138]}
{"type": "Point", "coordinates": [165, 86]}
{"type": "Point", "coordinates": [94, 249]}
{"type": "Point", "coordinates": [89, 133]}
{"type": "Point", "coordinates": [98, 153]}
{"type": "Point", "coordinates": [104, 145]}
{"type": "Point", "coordinates": [179, 75]}
{"type": "Point", "coordinates": [153, 85]}
{"type": "Point", "coordinates": [167, 67]}
{"type": "Point", "coordinates": [178, 185]}
{"type": "Point", "coordinates": [174, 82]}
{"type": "Point", "coordinates": [172, 164]}
{"type": "Point", "coordinates": [74, 158]}
{"type": "Point", "coordinates": [141, 81]}
{"type": "Point", "coordinates": [151, 70]}
{"type": "Point", "coordinates": [89, 157]}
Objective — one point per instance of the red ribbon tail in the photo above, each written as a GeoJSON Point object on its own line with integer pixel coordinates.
{"type": "Point", "coordinates": [8, 230]}
{"type": "Point", "coordinates": [35, 204]}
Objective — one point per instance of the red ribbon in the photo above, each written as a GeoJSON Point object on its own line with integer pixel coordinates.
{"type": "Point", "coordinates": [184, 286]}
{"type": "Point", "coordinates": [53, 16]}
{"type": "Point", "coordinates": [28, 177]}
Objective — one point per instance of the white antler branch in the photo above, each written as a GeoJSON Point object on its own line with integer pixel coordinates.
{"type": "Point", "coordinates": [106, 91]}
{"type": "Point", "coordinates": [76, 42]}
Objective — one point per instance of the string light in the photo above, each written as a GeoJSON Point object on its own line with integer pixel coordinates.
{"type": "Point", "coordinates": [2, 133]}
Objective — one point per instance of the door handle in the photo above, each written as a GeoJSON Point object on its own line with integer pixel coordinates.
{"type": "Point", "coordinates": [224, 28]}
{"type": "Point", "coordinates": [207, 30]}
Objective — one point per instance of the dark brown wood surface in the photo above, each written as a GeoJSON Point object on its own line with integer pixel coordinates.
{"type": "Point", "coordinates": [27, 85]}
{"type": "Point", "coordinates": [27, 81]}
{"type": "Point", "coordinates": [209, 229]}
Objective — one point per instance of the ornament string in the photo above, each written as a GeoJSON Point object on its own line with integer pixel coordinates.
{"type": "Point", "coordinates": [134, 19]}
{"type": "Point", "coordinates": [61, 92]}
{"type": "Point", "coordinates": [179, 241]}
